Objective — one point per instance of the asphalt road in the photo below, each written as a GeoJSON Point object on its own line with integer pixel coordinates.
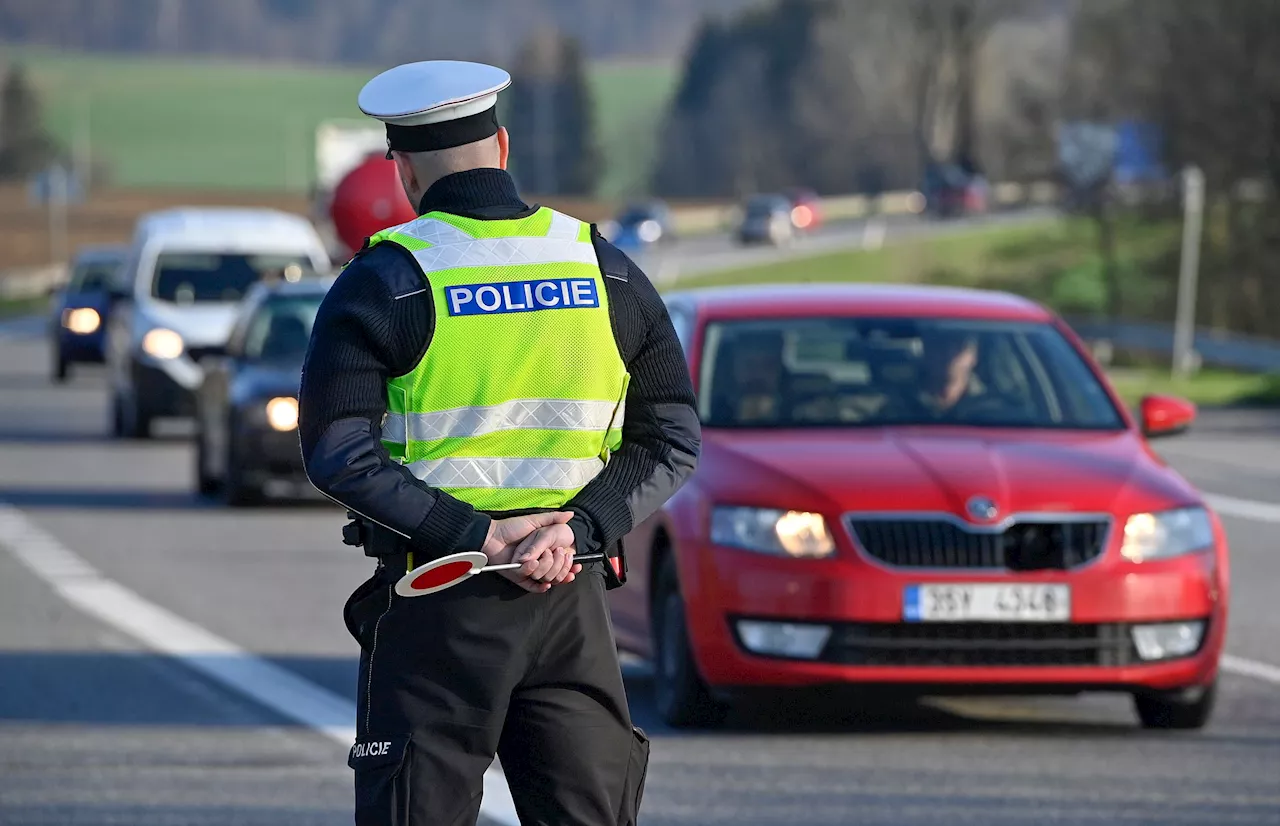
{"type": "Point", "coordinates": [96, 727]}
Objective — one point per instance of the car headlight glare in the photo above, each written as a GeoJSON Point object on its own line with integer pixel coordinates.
{"type": "Point", "coordinates": [282, 413]}
{"type": "Point", "coordinates": [779, 532]}
{"type": "Point", "coordinates": [82, 320]}
{"type": "Point", "coordinates": [649, 231]}
{"type": "Point", "coordinates": [162, 343]}
{"type": "Point", "coordinates": [1166, 534]}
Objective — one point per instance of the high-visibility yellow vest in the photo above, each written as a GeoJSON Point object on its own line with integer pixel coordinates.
{"type": "Point", "coordinates": [519, 400]}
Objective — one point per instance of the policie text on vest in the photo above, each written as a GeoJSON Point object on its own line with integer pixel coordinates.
{"type": "Point", "coordinates": [522, 296]}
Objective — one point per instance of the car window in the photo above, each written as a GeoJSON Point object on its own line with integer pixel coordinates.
{"type": "Point", "coordinates": [833, 372]}
{"type": "Point", "coordinates": [189, 278]}
{"type": "Point", "coordinates": [97, 275]}
{"type": "Point", "coordinates": [280, 330]}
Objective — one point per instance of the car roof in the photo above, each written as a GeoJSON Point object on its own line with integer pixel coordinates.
{"type": "Point", "coordinates": [101, 252]}
{"type": "Point", "coordinates": [844, 299]}
{"type": "Point", "coordinates": [247, 225]}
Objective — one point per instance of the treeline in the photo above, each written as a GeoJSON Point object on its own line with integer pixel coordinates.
{"type": "Point", "coordinates": [861, 95]}
{"type": "Point", "coordinates": [1207, 76]}
{"type": "Point", "coordinates": [377, 32]}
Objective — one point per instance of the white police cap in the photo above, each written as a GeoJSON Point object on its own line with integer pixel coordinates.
{"type": "Point", "coordinates": [435, 104]}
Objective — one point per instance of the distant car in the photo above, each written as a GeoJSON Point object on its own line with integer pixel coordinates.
{"type": "Point", "coordinates": [82, 309]}
{"type": "Point", "coordinates": [247, 403]}
{"type": "Point", "coordinates": [806, 209]}
{"type": "Point", "coordinates": [933, 491]}
{"type": "Point", "coordinates": [766, 219]}
{"type": "Point", "coordinates": [951, 192]}
{"type": "Point", "coordinates": [188, 270]}
{"type": "Point", "coordinates": [640, 225]}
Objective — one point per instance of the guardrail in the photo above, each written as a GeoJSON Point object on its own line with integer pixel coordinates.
{"type": "Point", "coordinates": [1212, 347]}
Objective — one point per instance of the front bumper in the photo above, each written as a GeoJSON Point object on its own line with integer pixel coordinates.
{"type": "Point", "coordinates": [271, 455]}
{"type": "Point", "coordinates": [870, 643]}
{"type": "Point", "coordinates": [158, 393]}
{"type": "Point", "coordinates": [77, 348]}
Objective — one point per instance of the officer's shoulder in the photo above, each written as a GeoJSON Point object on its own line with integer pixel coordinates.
{"type": "Point", "coordinates": [387, 265]}
{"type": "Point", "coordinates": [615, 264]}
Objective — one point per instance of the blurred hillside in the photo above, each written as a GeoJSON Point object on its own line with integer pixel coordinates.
{"type": "Point", "coordinates": [375, 32]}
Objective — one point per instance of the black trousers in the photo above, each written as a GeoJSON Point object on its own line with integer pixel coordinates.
{"type": "Point", "coordinates": [449, 679]}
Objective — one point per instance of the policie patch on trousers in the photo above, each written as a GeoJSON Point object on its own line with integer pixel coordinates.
{"type": "Point", "coordinates": [522, 296]}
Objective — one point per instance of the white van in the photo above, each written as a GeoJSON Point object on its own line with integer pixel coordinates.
{"type": "Point", "coordinates": [189, 268]}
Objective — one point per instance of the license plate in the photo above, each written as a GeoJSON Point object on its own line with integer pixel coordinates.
{"type": "Point", "coordinates": [987, 603]}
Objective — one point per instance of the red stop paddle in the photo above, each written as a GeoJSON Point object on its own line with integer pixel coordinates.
{"type": "Point", "coordinates": [448, 571]}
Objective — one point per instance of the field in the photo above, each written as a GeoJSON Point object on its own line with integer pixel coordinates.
{"type": "Point", "coordinates": [203, 124]}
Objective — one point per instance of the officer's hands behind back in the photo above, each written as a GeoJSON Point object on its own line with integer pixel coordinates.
{"type": "Point", "coordinates": [542, 541]}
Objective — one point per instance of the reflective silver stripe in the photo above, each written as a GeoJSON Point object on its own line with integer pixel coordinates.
{"type": "Point", "coordinates": [434, 231]}
{"type": "Point", "coordinates": [505, 252]}
{"type": "Point", "coordinates": [528, 414]}
{"type": "Point", "coordinates": [562, 226]}
{"type": "Point", "coordinates": [393, 428]}
{"type": "Point", "coordinates": [549, 474]}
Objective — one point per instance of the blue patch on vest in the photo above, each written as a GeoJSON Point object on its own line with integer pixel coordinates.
{"type": "Point", "coordinates": [522, 296]}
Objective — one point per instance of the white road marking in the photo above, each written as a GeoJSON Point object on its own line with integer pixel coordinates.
{"type": "Point", "coordinates": [1243, 508]}
{"type": "Point", "coordinates": [282, 691]}
{"type": "Point", "coordinates": [1250, 668]}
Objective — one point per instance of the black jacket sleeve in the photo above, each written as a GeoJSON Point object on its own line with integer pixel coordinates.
{"type": "Point", "coordinates": [661, 435]}
{"type": "Point", "coordinates": [369, 328]}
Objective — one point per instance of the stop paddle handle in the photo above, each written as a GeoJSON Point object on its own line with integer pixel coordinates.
{"type": "Point", "coordinates": [448, 571]}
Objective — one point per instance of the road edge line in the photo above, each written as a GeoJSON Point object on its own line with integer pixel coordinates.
{"type": "Point", "coordinates": [217, 659]}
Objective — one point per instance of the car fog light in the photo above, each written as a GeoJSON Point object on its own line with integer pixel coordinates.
{"type": "Point", "coordinates": [1168, 639]}
{"type": "Point", "coordinates": [783, 639]}
{"type": "Point", "coordinates": [282, 413]}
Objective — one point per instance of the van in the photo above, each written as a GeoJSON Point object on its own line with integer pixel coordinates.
{"type": "Point", "coordinates": [187, 270]}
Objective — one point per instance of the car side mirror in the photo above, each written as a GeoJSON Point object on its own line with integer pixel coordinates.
{"type": "Point", "coordinates": [1165, 415]}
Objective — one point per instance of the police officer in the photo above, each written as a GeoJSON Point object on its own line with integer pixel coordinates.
{"type": "Point", "coordinates": [493, 376]}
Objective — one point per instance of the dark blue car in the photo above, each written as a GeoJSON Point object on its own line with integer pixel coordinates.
{"type": "Point", "coordinates": [640, 225]}
{"type": "Point", "coordinates": [81, 307]}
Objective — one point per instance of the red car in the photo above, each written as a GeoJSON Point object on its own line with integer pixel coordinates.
{"type": "Point", "coordinates": [932, 490]}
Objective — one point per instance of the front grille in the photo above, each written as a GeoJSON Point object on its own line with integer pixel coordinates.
{"type": "Point", "coordinates": [941, 543]}
{"type": "Point", "coordinates": [980, 644]}
{"type": "Point", "coordinates": [198, 353]}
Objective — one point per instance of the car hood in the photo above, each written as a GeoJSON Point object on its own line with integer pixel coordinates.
{"type": "Point", "coordinates": [200, 325]}
{"type": "Point", "coordinates": [99, 301]}
{"type": "Point", "coordinates": [259, 381]}
{"type": "Point", "coordinates": [939, 470]}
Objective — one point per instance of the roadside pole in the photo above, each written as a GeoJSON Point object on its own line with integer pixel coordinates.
{"type": "Point", "coordinates": [58, 198]}
{"type": "Point", "coordinates": [1192, 225]}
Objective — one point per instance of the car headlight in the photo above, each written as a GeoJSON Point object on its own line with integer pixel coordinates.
{"type": "Point", "coordinates": [784, 533]}
{"type": "Point", "coordinates": [649, 231]}
{"type": "Point", "coordinates": [1166, 534]}
{"type": "Point", "coordinates": [162, 343]}
{"type": "Point", "coordinates": [82, 320]}
{"type": "Point", "coordinates": [282, 413]}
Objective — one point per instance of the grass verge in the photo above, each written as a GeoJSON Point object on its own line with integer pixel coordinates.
{"type": "Point", "coordinates": [1207, 388]}
{"type": "Point", "coordinates": [202, 123]}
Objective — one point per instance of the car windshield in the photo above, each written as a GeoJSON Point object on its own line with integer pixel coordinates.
{"type": "Point", "coordinates": [761, 206]}
{"type": "Point", "coordinates": [281, 329]}
{"type": "Point", "coordinates": [867, 372]}
{"type": "Point", "coordinates": [95, 275]}
{"type": "Point", "coordinates": [637, 214]}
{"type": "Point", "coordinates": [196, 277]}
